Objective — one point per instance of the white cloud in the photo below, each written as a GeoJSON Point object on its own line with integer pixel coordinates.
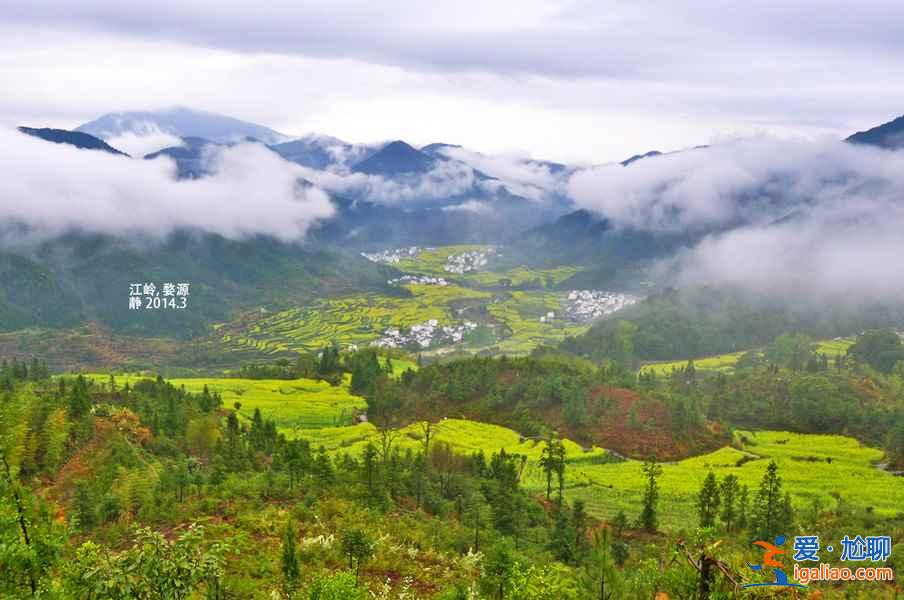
{"type": "Point", "coordinates": [814, 218]}
{"type": "Point", "coordinates": [521, 175]}
{"type": "Point", "coordinates": [471, 206]}
{"type": "Point", "coordinates": [55, 187]}
{"type": "Point", "coordinates": [445, 180]}
{"type": "Point", "coordinates": [144, 139]}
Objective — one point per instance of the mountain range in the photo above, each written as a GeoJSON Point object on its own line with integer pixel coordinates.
{"type": "Point", "coordinates": [80, 276]}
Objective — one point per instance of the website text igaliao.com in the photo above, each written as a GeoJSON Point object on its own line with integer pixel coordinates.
{"type": "Point", "coordinates": [825, 572]}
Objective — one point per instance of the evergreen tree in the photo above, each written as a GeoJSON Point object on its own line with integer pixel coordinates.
{"type": "Point", "coordinates": [648, 516]}
{"type": "Point", "coordinates": [290, 570]}
{"type": "Point", "coordinates": [769, 512]}
{"type": "Point", "coordinates": [83, 507]}
{"type": "Point", "coordinates": [729, 490]}
{"type": "Point", "coordinates": [708, 501]}
{"type": "Point", "coordinates": [743, 507]}
{"type": "Point", "coordinates": [562, 536]}
{"type": "Point", "coordinates": [358, 548]}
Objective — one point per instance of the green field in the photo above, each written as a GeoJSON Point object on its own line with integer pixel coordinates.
{"type": "Point", "coordinates": [827, 468]}
{"type": "Point", "coordinates": [813, 467]}
{"type": "Point", "coordinates": [718, 362]}
{"type": "Point", "coordinates": [486, 297]}
{"type": "Point", "coordinates": [431, 261]}
{"type": "Point", "coordinates": [358, 319]}
{"type": "Point", "coordinates": [836, 347]}
{"type": "Point", "coordinates": [294, 403]}
{"type": "Point", "coordinates": [518, 276]}
{"type": "Point", "coordinates": [727, 362]}
{"type": "Point", "coordinates": [803, 461]}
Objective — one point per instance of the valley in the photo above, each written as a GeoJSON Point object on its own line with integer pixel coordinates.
{"type": "Point", "coordinates": [485, 311]}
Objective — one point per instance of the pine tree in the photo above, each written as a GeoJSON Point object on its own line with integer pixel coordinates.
{"type": "Point", "coordinates": [708, 501]}
{"type": "Point", "coordinates": [729, 492]}
{"type": "Point", "coordinates": [358, 549]}
{"type": "Point", "coordinates": [768, 509]}
{"type": "Point", "coordinates": [648, 515]}
{"type": "Point", "coordinates": [744, 507]}
{"type": "Point", "coordinates": [563, 536]}
{"type": "Point", "coordinates": [289, 559]}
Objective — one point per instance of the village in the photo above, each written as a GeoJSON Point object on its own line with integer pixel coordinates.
{"type": "Point", "coordinates": [427, 334]}
{"type": "Point", "coordinates": [417, 280]}
{"type": "Point", "coordinates": [393, 256]}
{"type": "Point", "coordinates": [584, 306]}
{"type": "Point", "coordinates": [468, 261]}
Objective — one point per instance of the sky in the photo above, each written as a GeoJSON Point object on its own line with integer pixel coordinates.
{"type": "Point", "coordinates": [584, 82]}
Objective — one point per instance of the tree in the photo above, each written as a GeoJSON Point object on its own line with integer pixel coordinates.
{"type": "Point", "coordinates": [600, 575]}
{"type": "Point", "coordinates": [547, 462]}
{"type": "Point", "coordinates": [562, 541]}
{"type": "Point", "coordinates": [30, 542]}
{"type": "Point", "coordinates": [497, 569]}
{"type": "Point", "coordinates": [790, 350]}
{"type": "Point", "coordinates": [84, 508]}
{"type": "Point", "coordinates": [552, 461]}
{"type": "Point", "coordinates": [579, 523]}
{"type": "Point", "coordinates": [879, 348]}
{"type": "Point", "coordinates": [744, 507]}
{"type": "Point", "coordinates": [769, 510]}
{"type": "Point", "coordinates": [289, 559]}
{"type": "Point", "coordinates": [648, 516]}
{"type": "Point", "coordinates": [708, 501]}
{"type": "Point", "coordinates": [729, 490]}
{"type": "Point", "coordinates": [358, 548]}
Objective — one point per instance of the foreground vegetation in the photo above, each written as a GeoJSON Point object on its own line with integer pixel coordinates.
{"type": "Point", "coordinates": [518, 478]}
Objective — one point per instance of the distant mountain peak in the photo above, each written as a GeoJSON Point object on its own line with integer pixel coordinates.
{"type": "Point", "coordinates": [396, 158]}
{"type": "Point", "coordinates": [888, 135]}
{"type": "Point", "coordinates": [181, 122]}
{"type": "Point", "coordinates": [638, 157]}
{"type": "Point", "coordinates": [78, 139]}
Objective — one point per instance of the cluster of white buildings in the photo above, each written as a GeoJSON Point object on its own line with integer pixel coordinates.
{"type": "Point", "coordinates": [425, 335]}
{"type": "Point", "coordinates": [418, 280]}
{"type": "Point", "coordinates": [467, 261]}
{"type": "Point", "coordinates": [585, 305]}
{"type": "Point", "coordinates": [391, 257]}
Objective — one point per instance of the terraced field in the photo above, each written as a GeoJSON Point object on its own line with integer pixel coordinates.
{"type": "Point", "coordinates": [825, 468]}
{"type": "Point", "coordinates": [294, 404]}
{"type": "Point", "coordinates": [486, 297]}
{"type": "Point", "coordinates": [718, 362]}
{"type": "Point", "coordinates": [836, 347]}
{"type": "Point", "coordinates": [431, 261]}
{"type": "Point", "coordinates": [726, 362]}
{"type": "Point", "coordinates": [358, 319]}
{"type": "Point", "coordinates": [813, 467]}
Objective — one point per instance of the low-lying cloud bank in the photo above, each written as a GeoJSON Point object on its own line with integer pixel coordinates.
{"type": "Point", "coordinates": [775, 216]}
{"type": "Point", "coordinates": [146, 138]}
{"type": "Point", "coordinates": [52, 188]}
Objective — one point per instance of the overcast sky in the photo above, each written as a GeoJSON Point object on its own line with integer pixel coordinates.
{"type": "Point", "coordinates": [586, 81]}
